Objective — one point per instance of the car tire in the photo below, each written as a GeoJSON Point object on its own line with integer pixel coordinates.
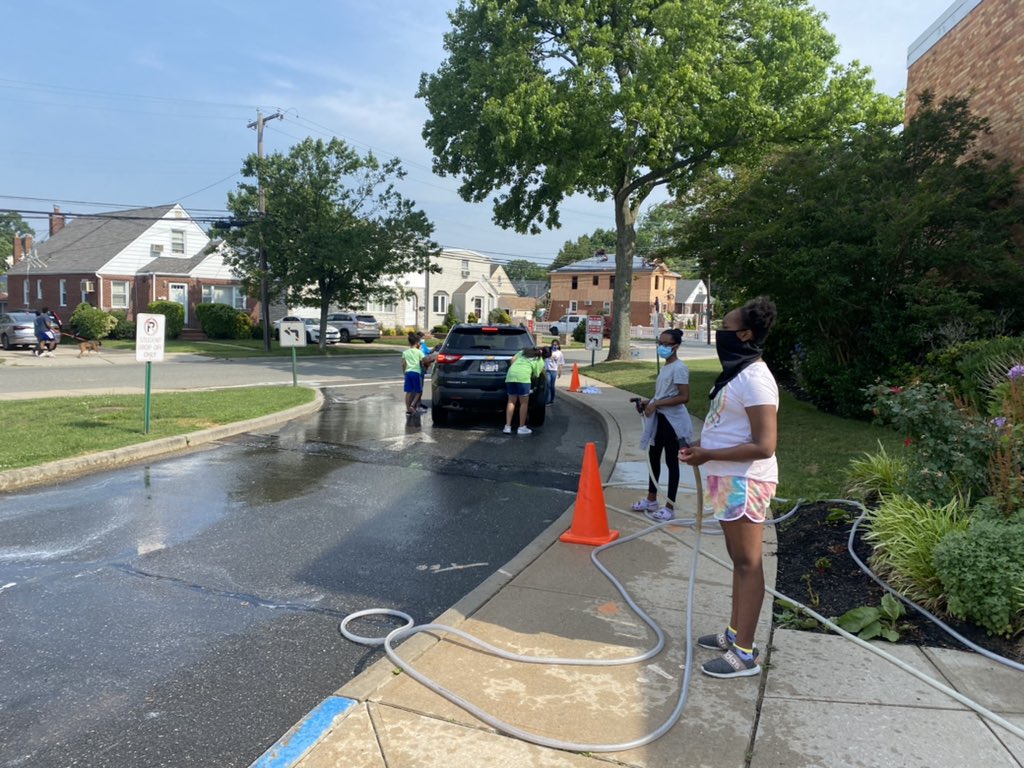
{"type": "Point", "coordinates": [368, 341]}
{"type": "Point", "coordinates": [439, 415]}
{"type": "Point", "coordinates": [536, 415]}
{"type": "Point", "coordinates": [344, 336]}
{"type": "Point", "coordinates": [554, 330]}
{"type": "Point", "coordinates": [5, 341]}
{"type": "Point", "coordinates": [309, 338]}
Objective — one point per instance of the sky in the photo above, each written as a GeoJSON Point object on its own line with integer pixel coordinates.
{"type": "Point", "coordinates": [111, 105]}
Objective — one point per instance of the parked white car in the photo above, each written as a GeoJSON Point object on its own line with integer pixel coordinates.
{"type": "Point", "coordinates": [566, 324]}
{"type": "Point", "coordinates": [312, 329]}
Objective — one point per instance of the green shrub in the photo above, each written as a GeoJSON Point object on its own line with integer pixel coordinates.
{"type": "Point", "coordinates": [974, 368]}
{"type": "Point", "coordinates": [125, 328]}
{"type": "Point", "coordinates": [497, 315]}
{"type": "Point", "coordinates": [88, 322]}
{"type": "Point", "coordinates": [579, 333]}
{"type": "Point", "coordinates": [951, 447]}
{"type": "Point", "coordinates": [982, 572]}
{"type": "Point", "coordinates": [905, 534]}
{"type": "Point", "coordinates": [472, 318]}
{"type": "Point", "coordinates": [222, 321]}
{"type": "Point", "coordinates": [174, 314]}
{"type": "Point", "coordinates": [876, 475]}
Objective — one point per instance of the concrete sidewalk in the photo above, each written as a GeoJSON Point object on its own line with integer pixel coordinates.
{"type": "Point", "coordinates": [821, 700]}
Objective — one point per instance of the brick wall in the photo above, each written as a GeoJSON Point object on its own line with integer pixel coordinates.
{"type": "Point", "coordinates": [983, 54]}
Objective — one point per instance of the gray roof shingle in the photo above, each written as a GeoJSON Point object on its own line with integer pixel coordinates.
{"type": "Point", "coordinates": [85, 244]}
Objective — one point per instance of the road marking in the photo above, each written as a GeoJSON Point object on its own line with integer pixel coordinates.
{"type": "Point", "coordinates": [291, 747]}
{"type": "Point", "coordinates": [8, 586]}
{"type": "Point", "coordinates": [436, 568]}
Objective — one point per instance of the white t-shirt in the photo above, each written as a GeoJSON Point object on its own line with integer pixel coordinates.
{"type": "Point", "coordinates": [727, 424]}
{"type": "Point", "coordinates": [667, 384]}
{"type": "Point", "coordinates": [556, 361]}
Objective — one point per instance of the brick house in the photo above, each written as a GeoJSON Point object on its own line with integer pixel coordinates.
{"type": "Point", "coordinates": [124, 260]}
{"type": "Point", "coordinates": [976, 49]}
{"type": "Point", "coordinates": [586, 287]}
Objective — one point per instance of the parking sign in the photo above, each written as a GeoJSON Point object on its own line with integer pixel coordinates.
{"type": "Point", "coordinates": [149, 338]}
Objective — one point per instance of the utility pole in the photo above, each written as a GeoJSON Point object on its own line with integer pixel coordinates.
{"type": "Point", "coordinates": [264, 304]}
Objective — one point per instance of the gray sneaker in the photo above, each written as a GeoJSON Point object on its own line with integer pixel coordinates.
{"type": "Point", "coordinates": [717, 642]}
{"type": "Point", "coordinates": [731, 665]}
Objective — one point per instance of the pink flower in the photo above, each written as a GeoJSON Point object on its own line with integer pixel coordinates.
{"type": "Point", "coordinates": [907, 442]}
{"type": "Point", "coordinates": [896, 390]}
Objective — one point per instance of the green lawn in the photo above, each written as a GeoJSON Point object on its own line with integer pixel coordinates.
{"type": "Point", "coordinates": [54, 428]}
{"type": "Point", "coordinates": [814, 448]}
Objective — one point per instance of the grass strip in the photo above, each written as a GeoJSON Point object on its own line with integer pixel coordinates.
{"type": "Point", "coordinates": [52, 428]}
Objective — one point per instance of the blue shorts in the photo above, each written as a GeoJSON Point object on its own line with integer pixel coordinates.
{"type": "Point", "coordinates": [515, 388]}
{"type": "Point", "coordinates": [413, 382]}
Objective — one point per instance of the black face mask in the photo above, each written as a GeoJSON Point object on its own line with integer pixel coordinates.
{"type": "Point", "coordinates": [735, 355]}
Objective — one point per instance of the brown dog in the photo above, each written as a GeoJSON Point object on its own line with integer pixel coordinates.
{"type": "Point", "coordinates": [89, 346]}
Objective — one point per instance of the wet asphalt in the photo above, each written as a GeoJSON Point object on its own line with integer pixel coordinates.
{"type": "Point", "coordinates": [185, 611]}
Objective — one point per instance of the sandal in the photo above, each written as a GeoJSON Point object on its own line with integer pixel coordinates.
{"type": "Point", "coordinates": [645, 505]}
{"type": "Point", "coordinates": [663, 515]}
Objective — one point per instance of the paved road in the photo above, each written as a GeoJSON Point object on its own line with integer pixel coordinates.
{"type": "Point", "coordinates": [185, 612]}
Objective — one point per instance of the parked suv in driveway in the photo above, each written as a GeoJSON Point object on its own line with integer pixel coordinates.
{"type": "Point", "coordinates": [469, 373]}
{"type": "Point", "coordinates": [355, 326]}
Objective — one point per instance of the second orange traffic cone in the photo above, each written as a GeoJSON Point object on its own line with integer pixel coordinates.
{"type": "Point", "coordinates": [574, 383]}
{"type": "Point", "coordinates": [590, 518]}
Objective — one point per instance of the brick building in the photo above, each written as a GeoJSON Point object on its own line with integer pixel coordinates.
{"type": "Point", "coordinates": [976, 49]}
{"type": "Point", "coordinates": [586, 287]}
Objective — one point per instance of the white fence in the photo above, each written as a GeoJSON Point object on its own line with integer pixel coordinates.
{"type": "Point", "coordinates": [647, 332]}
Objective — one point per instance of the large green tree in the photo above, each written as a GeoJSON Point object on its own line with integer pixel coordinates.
{"type": "Point", "coordinates": [335, 231]}
{"type": "Point", "coordinates": [523, 269]}
{"type": "Point", "coordinates": [584, 247]}
{"type": "Point", "coordinates": [876, 248]}
{"type": "Point", "coordinates": [541, 99]}
{"type": "Point", "coordinates": [11, 224]}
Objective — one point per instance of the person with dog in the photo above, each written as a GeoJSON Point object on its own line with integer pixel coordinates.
{"type": "Point", "coordinates": [737, 450]}
{"type": "Point", "coordinates": [44, 334]}
{"type": "Point", "coordinates": [526, 366]}
{"type": "Point", "coordinates": [667, 426]}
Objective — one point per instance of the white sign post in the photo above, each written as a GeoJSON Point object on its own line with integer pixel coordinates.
{"type": "Point", "coordinates": [293, 334]}
{"type": "Point", "coordinates": [149, 346]}
{"type": "Point", "coordinates": [595, 334]}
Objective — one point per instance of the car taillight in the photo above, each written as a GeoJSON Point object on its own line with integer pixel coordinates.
{"type": "Point", "coordinates": [446, 357]}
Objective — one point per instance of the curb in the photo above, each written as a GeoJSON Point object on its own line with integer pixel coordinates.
{"type": "Point", "coordinates": [40, 474]}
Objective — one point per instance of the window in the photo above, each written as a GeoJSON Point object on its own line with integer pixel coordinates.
{"type": "Point", "coordinates": [656, 281]}
{"type": "Point", "coordinates": [597, 279]}
{"type": "Point", "coordinates": [383, 307]}
{"type": "Point", "coordinates": [24, 292]}
{"type": "Point", "coordinates": [63, 293]}
{"type": "Point", "coordinates": [119, 294]}
{"type": "Point", "coordinates": [440, 303]}
{"type": "Point", "coordinates": [572, 304]}
{"type": "Point", "coordinates": [178, 241]}
{"type": "Point", "coordinates": [607, 308]}
{"type": "Point", "coordinates": [575, 282]}
{"type": "Point", "coordinates": [231, 295]}
{"type": "Point", "coordinates": [611, 281]}
{"type": "Point", "coordinates": [39, 289]}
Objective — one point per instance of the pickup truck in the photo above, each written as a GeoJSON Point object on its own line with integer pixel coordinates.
{"type": "Point", "coordinates": [567, 324]}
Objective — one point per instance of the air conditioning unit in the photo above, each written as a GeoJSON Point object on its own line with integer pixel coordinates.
{"type": "Point", "coordinates": [465, 273]}
{"type": "Point", "coordinates": [156, 248]}
{"type": "Point", "coordinates": [88, 286]}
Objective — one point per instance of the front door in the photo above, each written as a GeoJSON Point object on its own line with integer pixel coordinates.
{"type": "Point", "coordinates": [178, 293]}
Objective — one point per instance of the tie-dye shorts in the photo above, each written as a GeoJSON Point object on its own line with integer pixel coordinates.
{"type": "Point", "coordinates": [734, 497]}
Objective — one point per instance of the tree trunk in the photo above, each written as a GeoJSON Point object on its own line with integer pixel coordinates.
{"type": "Point", "coordinates": [625, 219]}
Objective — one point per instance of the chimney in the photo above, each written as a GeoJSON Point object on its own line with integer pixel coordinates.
{"type": "Point", "coordinates": [56, 221]}
{"type": "Point", "coordinates": [22, 247]}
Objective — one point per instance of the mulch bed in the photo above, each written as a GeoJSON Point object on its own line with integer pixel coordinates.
{"type": "Point", "coordinates": [840, 585]}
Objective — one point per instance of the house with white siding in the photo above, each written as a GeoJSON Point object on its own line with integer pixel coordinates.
{"type": "Point", "coordinates": [123, 260]}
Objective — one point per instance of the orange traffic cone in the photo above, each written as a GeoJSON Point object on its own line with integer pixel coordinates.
{"type": "Point", "coordinates": [590, 518]}
{"type": "Point", "coordinates": [574, 383]}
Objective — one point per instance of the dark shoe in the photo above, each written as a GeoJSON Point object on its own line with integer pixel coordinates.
{"type": "Point", "coordinates": [732, 665]}
{"type": "Point", "coordinates": [717, 642]}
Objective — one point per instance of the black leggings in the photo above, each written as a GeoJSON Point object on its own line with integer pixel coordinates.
{"type": "Point", "coordinates": [664, 440]}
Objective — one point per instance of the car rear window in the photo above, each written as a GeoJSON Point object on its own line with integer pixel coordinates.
{"type": "Point", "coordinates": [366, 318]}
{"type": "Point", "coordinates": [500, 339]}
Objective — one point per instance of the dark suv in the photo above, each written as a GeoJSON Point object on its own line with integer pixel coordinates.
{"type": "Point", "coordinates": [469, 373]}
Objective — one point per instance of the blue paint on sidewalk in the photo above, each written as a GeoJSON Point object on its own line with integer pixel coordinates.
{"type": "Point", "coordinates": [291, 747]}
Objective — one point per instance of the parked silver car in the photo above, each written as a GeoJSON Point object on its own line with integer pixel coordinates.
{"type": "Point", "coordinates": [355, 326]}
{"type": "Point", "coordinates": [17, 329]}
